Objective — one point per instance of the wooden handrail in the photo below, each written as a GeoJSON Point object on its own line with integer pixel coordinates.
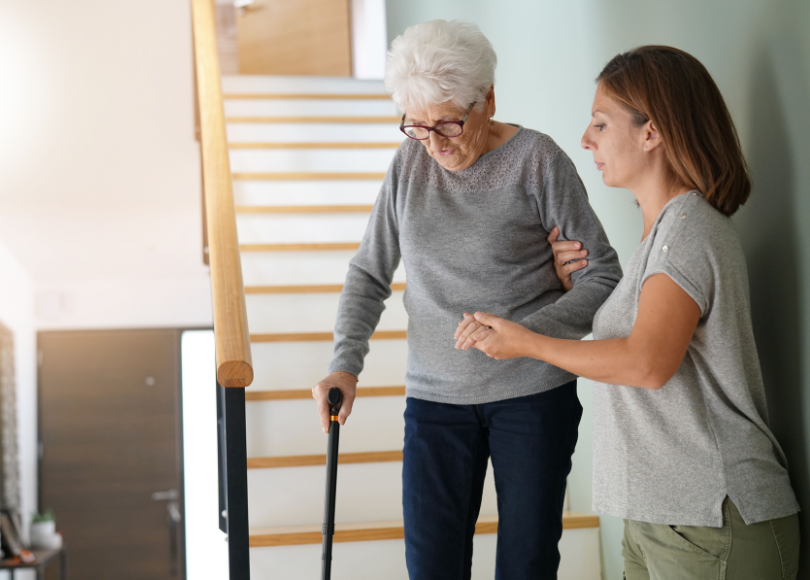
{"type": "Point", "coordinates": [234, 362]}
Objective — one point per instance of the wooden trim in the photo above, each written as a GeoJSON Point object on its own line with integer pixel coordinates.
{"type": "Point", "coordinates": [382, 530]}
{"type": "Point", "coordinates": [308, 289]}
{"type": "Point", "coordinates": [303, 208]}
{"type": "Point", "coordinates": [322, 145]}
{"type": "Point", "coordinates": [308, 460]}
{"type": "Point", "coordinates": [321, 336]}
{"type": "Point", "coordinates": [307, 96]}
{"type": "Point", "coordinates": [353, 532]}
{"type": "Point", "coordinates": [347, 120]}
{"type": "Point", "coordinates": [299, 247]}
{"type": "Point", "coordinates": [580, 521]}
{"type": "Point", "coordinates": [234, 363]}
{"type": "Point", "coordinates": [297, 394]}
{"type": "Point", "coordinates": [305, 176]}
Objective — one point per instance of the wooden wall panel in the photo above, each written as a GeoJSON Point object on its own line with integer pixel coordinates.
{"type": "Point", "coordinates": [295, 37]}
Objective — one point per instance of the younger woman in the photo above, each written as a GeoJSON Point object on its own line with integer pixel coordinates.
{"type": "Point", "coordinates": [682, 448]}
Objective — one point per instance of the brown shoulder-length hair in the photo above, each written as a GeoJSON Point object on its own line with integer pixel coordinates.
{"type": "Point", "coordinates": [675, 90]}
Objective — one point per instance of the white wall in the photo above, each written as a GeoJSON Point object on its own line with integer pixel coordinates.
{"type": "Point", "coordinates": [17, 313]}
{"type": "Point", "coordinates": [100, 197]}
{"type": "Point", "coordinates": [169, 302]}
{"type": "Point", "coordinates": [369, 39]}
{"type": "Point", "coordinates": [759, 53]}
{"type": "Point", "coordinates": [206, 545]}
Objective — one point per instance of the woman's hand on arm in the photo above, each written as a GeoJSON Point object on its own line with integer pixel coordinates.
{"type": "Point", "coordinates": [347, 383]}
{"type": "Point", "coordinates": [568, 257]}
{"type": "Point", "coordinates": [468, 327]}
{"type": "Point", "coordinates": [666, 321]}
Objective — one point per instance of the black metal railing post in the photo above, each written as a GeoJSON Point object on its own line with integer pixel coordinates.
{"type": "Point", "coordinates": [233, 479]}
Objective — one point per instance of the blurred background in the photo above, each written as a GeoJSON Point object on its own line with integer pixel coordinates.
{"type": "Point", "coordinates": [100, 194]}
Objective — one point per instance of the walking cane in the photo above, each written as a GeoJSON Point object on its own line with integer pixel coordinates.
{"type": "Point", "coordinates": [334, 400]}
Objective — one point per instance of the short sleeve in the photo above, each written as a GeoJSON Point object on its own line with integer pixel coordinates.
{"type": "Point", "coordinates": [687, 247]}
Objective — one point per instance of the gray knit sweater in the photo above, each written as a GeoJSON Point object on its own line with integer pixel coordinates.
{"type": "Point", "coordinates": [475, 240]}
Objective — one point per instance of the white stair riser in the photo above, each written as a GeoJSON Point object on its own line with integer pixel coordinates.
{"type": "Point", "coordinates": [309, 132]}
{"type": "Point", "coordinates": [312, 312]}
{"type": "Point", "coordinates": [365, 492]}
{"type": "Point", "coordinates": [314, 160]}
{"type": "Point", "coordinates": [385, 559]}
{"type": "Point", "coordinates": [300, 228]}
{"type": "Point", "coordinates": [310, 107]}
{"type": "Point", "coordinates": [379, 560]}
{"type": "Point", "coordinates": [301, 365]}
{"type": "Point", "coordinates": [292, 495]}
{"type": "Point", "coordinates": [259, 84]}
{"type": "Point", "coordinates": [307, 267]}
{"type": "Point", "coordinates": [292, 427]}
{"type": "Point", "coordinates": [348, 192]}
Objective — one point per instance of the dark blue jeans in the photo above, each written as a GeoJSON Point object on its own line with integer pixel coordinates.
{"type": "Point", "coordinates": [530, 439]}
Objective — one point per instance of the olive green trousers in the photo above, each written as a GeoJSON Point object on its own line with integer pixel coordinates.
{"type": "Point", "coordinates": [763, 551]}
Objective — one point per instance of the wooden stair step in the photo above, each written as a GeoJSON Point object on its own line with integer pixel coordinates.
{"type": "Point", "coordinates": [308, 119]}
{"type": "Point", "coordinates": [306, 176]}
{"type": "Point", "coordinates": [287, 209]}
{"type": "Point", "coordinates": [321, 145]}
{"type": "Point", "coordinates": [308, 460]}
{"type": "Point", "coordinates": [383, 530]}
{"type": "Point", "coordinates": [296, 394]}
{"type": "Point", "coordinates": [307, 96]}
{"type": "Point", "coordinates": [313, 247]}
{"type": "Point", "coordinates": [308, 288]}
{"type": "Point", "coordinates": [321, 336]}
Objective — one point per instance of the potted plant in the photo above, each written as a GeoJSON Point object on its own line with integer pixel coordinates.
{"type": "Point", "coordinates": [43, 531]}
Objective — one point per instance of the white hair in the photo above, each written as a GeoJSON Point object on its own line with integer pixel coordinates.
{"type": "Point", "coordinates": [440, 61]}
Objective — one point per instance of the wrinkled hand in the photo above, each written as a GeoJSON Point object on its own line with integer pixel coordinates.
{"type": "Point", "coordinates": [565, 252]}
{"type": "Point", "coordinates": [506, 339]}
{"type": "Point", "coordinates": [466, 329]}
{"type": "Point", "coordinates": [347, 383]}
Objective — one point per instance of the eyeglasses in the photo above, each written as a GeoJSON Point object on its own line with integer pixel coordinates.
{"type": "Point", "coordinates": [445, 128]}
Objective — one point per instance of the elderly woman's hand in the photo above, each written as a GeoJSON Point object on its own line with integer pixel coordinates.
{"type": "Point", "coordinates": [501, 339]}
{"type": "Point", "coordinates": [347, 383]}
{"type": "Point", "coordinates": [466, 328]}
{"type": "Point", "coordinates": [567, 257]}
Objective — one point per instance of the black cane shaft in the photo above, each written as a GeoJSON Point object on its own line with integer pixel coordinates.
{"type": "Point", "coordinates": [331, 484]}
{"type": "Point", "coordinates": [329, 501]}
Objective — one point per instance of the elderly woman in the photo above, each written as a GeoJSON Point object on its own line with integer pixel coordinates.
{"type": "Point", "coordinates": [471, 205]}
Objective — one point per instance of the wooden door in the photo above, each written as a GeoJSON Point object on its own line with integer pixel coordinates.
{"type": "Point", "coordinates": [295, 37]}
{"type": "Point", "coordinates": [110, 433]}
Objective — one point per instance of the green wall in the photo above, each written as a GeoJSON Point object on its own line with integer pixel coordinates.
{"type": "Point", "coordinates": [759, 54]}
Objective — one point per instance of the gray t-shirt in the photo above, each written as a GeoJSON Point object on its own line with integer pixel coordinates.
{"type": "Point", "coordinates": [475, 240]}
{"type": "Point", "coordinates": [671, 456]}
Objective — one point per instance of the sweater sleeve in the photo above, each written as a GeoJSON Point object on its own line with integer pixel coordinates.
{"type": "Point", "coordinates": [368, 281]}
{"type": "Point", "coordinates": [564, 203]}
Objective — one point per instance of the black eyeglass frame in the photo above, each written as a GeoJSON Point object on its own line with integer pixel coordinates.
{"type": "Point", "coordinates": [403, 126]}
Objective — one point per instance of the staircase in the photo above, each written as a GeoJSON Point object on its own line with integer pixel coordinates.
{"type": "Point", "coordinates": [308, 156]}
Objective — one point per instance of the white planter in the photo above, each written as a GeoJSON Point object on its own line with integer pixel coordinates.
{"type": "Point", "coordinates": [43, 528]}
{"type": "Point", "coordinates": [51, 542]}
{"type": "Point", "coordinates": [44, 536]}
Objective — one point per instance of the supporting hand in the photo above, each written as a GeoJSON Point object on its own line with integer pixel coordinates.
{"type": "Point", "coordinates": [568, 258]}
{"type": "Point", "coordinates": [504, 339]}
